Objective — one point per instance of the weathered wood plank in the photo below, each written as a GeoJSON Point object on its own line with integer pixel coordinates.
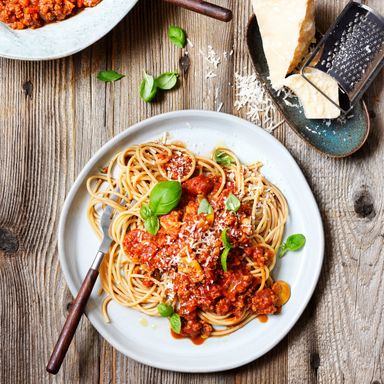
{"type": "Point", "coordinates": [340, 328]}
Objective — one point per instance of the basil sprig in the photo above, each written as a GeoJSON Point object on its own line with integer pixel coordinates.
{"type": "Point", "coordinates": [166, 310]}
{"type": "Point", "coordinates": [148, 88]}
{"type": "Point", "coordinates": [152, 225]}
{"type": "Point", "coordinates": [293, 243]}
{"type": "Point", "coordinates": [223, 258]}
{"type": "Point", "coordinates": [175, 321]}
{"type": "Point", "coordinates": [145, 212]}
{"type": "Point", "coordinates": [108, 76]}
{"type": "Point", "coordinates": [151, 221]}
{"type": "Point", "coordinates": [164, 197]}
{"type": "Point", "coordinates": [177, 36]}
{"type": "Point", "coordinates": [205, 207]}
{"type": "Point", "coordinates": [225, 239]}
{"type": "Point", "coordinates": [223, 158]}
{"type": "Point", "coordinates": [227, 247]}
{"type": "Point", "coordinates": [232, 203]}
{"type": "Point", "coordinates": [167, 80]}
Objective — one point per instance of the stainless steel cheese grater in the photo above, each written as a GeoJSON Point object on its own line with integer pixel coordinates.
{"type": "Point", "coordinates": [352, 52]}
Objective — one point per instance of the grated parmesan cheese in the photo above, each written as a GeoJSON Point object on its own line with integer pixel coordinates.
{"type": "Point", "coordinates": [212, 57]}
{"type": "Point", "coordinates": [210, 75]}
{"type": "Point", "coordinates": [189, 42]}
{"type": "Point", "coordinates": [250, 94]}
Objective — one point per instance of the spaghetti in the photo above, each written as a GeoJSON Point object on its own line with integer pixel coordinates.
{"type": "Point", "coordinates": [182, 264]}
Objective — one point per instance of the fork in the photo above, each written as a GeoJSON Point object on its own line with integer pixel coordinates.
{"type": "Point", "coordinates": [78, 305]}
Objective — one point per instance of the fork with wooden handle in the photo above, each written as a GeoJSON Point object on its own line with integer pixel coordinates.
{"type": "Point", "coordinates": [205, 8]}
{"type": "Point", "coordinates": [78, 306]}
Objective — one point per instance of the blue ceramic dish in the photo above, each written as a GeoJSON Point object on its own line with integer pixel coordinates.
{"type": "Point", "coordinates": [330, 137]}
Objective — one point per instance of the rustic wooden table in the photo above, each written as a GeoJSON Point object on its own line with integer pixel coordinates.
{"type": "Point", "coordinates": [55, 115]}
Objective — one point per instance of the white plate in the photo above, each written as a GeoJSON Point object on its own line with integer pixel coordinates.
{"type": "Point", "coordinates": [66, 37]}
{"type": "Point", "coordinates": [153, 344]}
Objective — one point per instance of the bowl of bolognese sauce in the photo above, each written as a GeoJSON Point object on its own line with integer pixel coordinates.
{"type": "Point", "coordinates": [51, 29]}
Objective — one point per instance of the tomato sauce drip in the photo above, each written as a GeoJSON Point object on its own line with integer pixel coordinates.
{"type": "Point", "coordinates": [198, 340]}
{"type": "Point", "coordinates": [262, 318]}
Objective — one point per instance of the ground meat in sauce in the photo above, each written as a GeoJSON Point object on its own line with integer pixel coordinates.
{"type": "Point", "coordinates": [199, 185]}
{"type": "Point", "coordinates": [265, 302]}
{"type": "Point", "coordinates": [261, 256]}
{"type": "Point", "coordinates": [140, 246]}
{"type": "Point", "coordinates": [198, 279]}
{"type": "Point", "coordinates": [178, 166]}
{"type": "Point", "coordinates": [21, 14]}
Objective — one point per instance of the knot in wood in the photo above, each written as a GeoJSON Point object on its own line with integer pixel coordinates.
{"type": "Point", "coordinates": [8, 241]}
{"type": "Point", "coordinates": [184, 64]}
{"type": "Point", "coordinates": [28, 88]}
{"type": "Point", "coordinates": [363, 204]}
{"type": "Point", "coordinates": [315, 360]}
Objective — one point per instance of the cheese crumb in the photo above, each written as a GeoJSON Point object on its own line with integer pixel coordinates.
{"type": "Point", "coordinates": [210, 75]}
{"type": "Point", "coordinates": [212, 57]}
{"type": "Point", "coordinates": [250, 94]}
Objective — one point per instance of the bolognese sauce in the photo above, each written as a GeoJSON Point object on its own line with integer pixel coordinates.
{"type": "Point", "coordinates": [21, 14]}
{"type": "Point", "coordinates": [187, 248]}
{"type": "Point", "coordinates": [195, 239]}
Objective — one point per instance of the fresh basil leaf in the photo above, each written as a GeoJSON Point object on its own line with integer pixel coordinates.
{"type": "Point", "coordinates": [167, 80]}
{"type": "Point", "coordinates": [145, 212]}
{"type": "Point", "coordinates": [177, 36]}
{"type": "Point", "coordinates": [205, 207]}
{"type": "Point", "coordinates": [223, 258]}
{"type": "Point", "coordinates": [148, 88]}
{"type": "Point", "coordinates": [282, 250]}
{"type": "Point", "coordinates": [175, 323]}
{"type": "Point", "coordinates": [293, 243]}
{"type": "Point", "coordinates": [225, 239]}
{"type": "Point", "coordinates": [164, 197]}
{"type": "Point", "coordinates": [223, 158]}
{"type": "Point", "coordinates": [165, 310]}
{"type": "Point", "coordinates": [232, 203]}
{"type": "Point", "coordinates": [109, 76]}
{"type": "Point", "coordinates": [152, 225]}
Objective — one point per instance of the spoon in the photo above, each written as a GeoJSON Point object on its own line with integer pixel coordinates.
{"type": "Point", "coordinates": [205, 8]}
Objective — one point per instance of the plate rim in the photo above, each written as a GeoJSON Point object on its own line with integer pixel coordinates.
{"type": "Point", "coordinates": [69, 52]}
{"type": "Point", "coordinates": [131, 130]}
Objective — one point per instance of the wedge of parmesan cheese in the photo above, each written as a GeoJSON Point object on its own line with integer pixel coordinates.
{"type": "Point", "coordinates": [287, 28]}
{"type": "Point", "coordinates": [316, 105]}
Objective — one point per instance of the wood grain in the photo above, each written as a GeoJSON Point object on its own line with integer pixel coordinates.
{"type": "Point", "coordinates": [55, 115]}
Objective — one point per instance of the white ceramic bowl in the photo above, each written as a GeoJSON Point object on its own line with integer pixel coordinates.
{"type": "Point", "coordinates": [153, 344]}
{"type": "Point", "coordinates": [66, 37]}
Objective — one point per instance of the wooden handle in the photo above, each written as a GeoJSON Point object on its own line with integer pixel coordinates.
{"type": "Point", "coordinates": [204, 8]}
{"type": "Point", "coordinates": [73, 319]}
